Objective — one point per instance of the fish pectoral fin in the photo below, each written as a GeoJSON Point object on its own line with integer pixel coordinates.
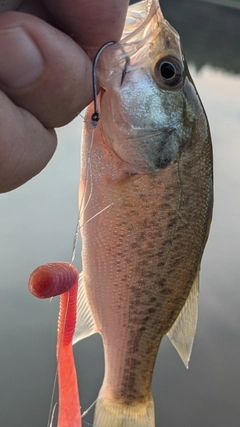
{"type": "Point", "coordinates": [183, 330]}
{"type": "Point", "coordinates": [85, 325]}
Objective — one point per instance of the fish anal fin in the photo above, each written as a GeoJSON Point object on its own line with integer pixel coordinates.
{"type": "Point", "coordinates": [182, 332]}
{"type": "Point", "coordinates": [85, 325]}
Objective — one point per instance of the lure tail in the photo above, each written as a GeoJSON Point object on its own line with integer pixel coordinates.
{"type": "Point", "coordinates": [69, 404]}
{"type": "Point", "coordinates": [110, 412]}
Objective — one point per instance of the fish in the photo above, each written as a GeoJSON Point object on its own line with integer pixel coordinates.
{"type": "Point", "coordinates": [146, 198]}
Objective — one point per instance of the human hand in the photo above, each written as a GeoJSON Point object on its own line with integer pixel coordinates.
{"type": "Point", "coordinates": [45, 74]}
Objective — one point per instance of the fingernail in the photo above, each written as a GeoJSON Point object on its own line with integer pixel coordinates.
{"type": "Point", "coordinates": [21, 62]}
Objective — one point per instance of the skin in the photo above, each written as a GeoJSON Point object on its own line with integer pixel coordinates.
{"type": "Point", "coordinates": [67, 34]}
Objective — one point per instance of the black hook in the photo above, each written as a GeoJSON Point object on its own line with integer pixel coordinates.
{"type": "Point", "coordinates": [96, 116]}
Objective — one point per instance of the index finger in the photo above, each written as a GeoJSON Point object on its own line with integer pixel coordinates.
{"type": "Point", "coordinates": [91, 23]}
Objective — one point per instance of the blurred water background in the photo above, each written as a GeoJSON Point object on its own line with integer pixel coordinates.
{"type": "Point", "coordinates": [37, 223]}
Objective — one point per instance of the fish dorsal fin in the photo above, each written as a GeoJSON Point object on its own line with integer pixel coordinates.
{"type": "Point", "coordinates": [85, 325]}
{"type": "Point", "coordinates": [183, 330]}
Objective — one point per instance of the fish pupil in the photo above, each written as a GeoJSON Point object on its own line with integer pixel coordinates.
{"type": "Point", "coordinates": [167, 70]}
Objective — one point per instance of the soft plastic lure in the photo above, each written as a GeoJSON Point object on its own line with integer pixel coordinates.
{"type": "Point", "coordinates": [49, 280]}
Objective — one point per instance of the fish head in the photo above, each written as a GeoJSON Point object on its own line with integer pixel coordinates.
{"type": "Point", "coordinates": [148, 104]}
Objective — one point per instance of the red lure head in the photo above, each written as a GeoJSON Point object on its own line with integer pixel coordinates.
{"type": "Point", "coordinates": [52, 279]}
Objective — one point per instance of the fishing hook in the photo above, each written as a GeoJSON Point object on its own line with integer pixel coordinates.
{"type": "Point", "coordinates": [96, 116]}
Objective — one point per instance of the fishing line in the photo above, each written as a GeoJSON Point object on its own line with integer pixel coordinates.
{"type": "Point", "coordinates": [140, 193]}
{"type": "Point", "coordinates": [80, 211]}
{"type": "Point", "coordinates": [88, 409]}
{"type": "Point", "coordinates": [53, 413]}
{"type": "Point", "coordinates": [75, 240]}
{"type": "Point", "coordinates": [114, 204]}
{"type": "Point", "coordinates": [94, 121]}
{"type": "Point", "coordinates": [88, 424]}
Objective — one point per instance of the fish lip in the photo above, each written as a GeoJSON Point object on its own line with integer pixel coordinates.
{"type": "Point", "coordinates": [131, 46]}
{"type": "Point", "coordinates": [128, 34]}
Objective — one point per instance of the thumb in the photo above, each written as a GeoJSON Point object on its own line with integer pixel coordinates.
{"type": "Point", "coordinates": [42, 69]}
{"type": "Point", "coordinates": [45, 79]}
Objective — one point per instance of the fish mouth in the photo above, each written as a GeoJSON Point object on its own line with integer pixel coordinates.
{"type": "Point", "coordinates": [139, 15]}
{"type": "Point", "coordinates": [138, 121]}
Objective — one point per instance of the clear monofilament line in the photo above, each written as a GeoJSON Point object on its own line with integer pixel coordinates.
{"type": "Point", "coordinates": [81, 210]}
{"type": "Point", "coordinates": [94, 121]}
{"type": "Point", "coordinates": [50, 422]}
{"type": "Point", "coordinates": [89, 409]}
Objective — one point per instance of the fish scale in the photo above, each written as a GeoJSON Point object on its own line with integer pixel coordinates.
{"type": "Point", "coordinates": [152, 238]}
{"type": "Point", "coordinates": [146, 192]}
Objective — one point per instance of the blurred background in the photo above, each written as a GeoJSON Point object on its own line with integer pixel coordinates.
{"type": "Point", "coordinates": [37, 226]}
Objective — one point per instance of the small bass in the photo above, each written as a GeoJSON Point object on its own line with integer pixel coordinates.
{"type": "Point", "coordinates": [146, 195]}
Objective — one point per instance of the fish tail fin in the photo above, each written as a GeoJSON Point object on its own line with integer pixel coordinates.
{"type": "Point", "coordinates": [112, 413]}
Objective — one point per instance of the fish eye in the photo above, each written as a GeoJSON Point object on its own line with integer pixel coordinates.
{"type": "Point", "coordinates": [168, 71]}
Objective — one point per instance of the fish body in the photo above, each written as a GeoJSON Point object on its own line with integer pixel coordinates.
{"type": "Point", "coordinates": [145, 207]}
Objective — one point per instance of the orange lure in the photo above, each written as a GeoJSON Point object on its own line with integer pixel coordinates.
{"type": "Point", "coordinates": [61, 278]}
